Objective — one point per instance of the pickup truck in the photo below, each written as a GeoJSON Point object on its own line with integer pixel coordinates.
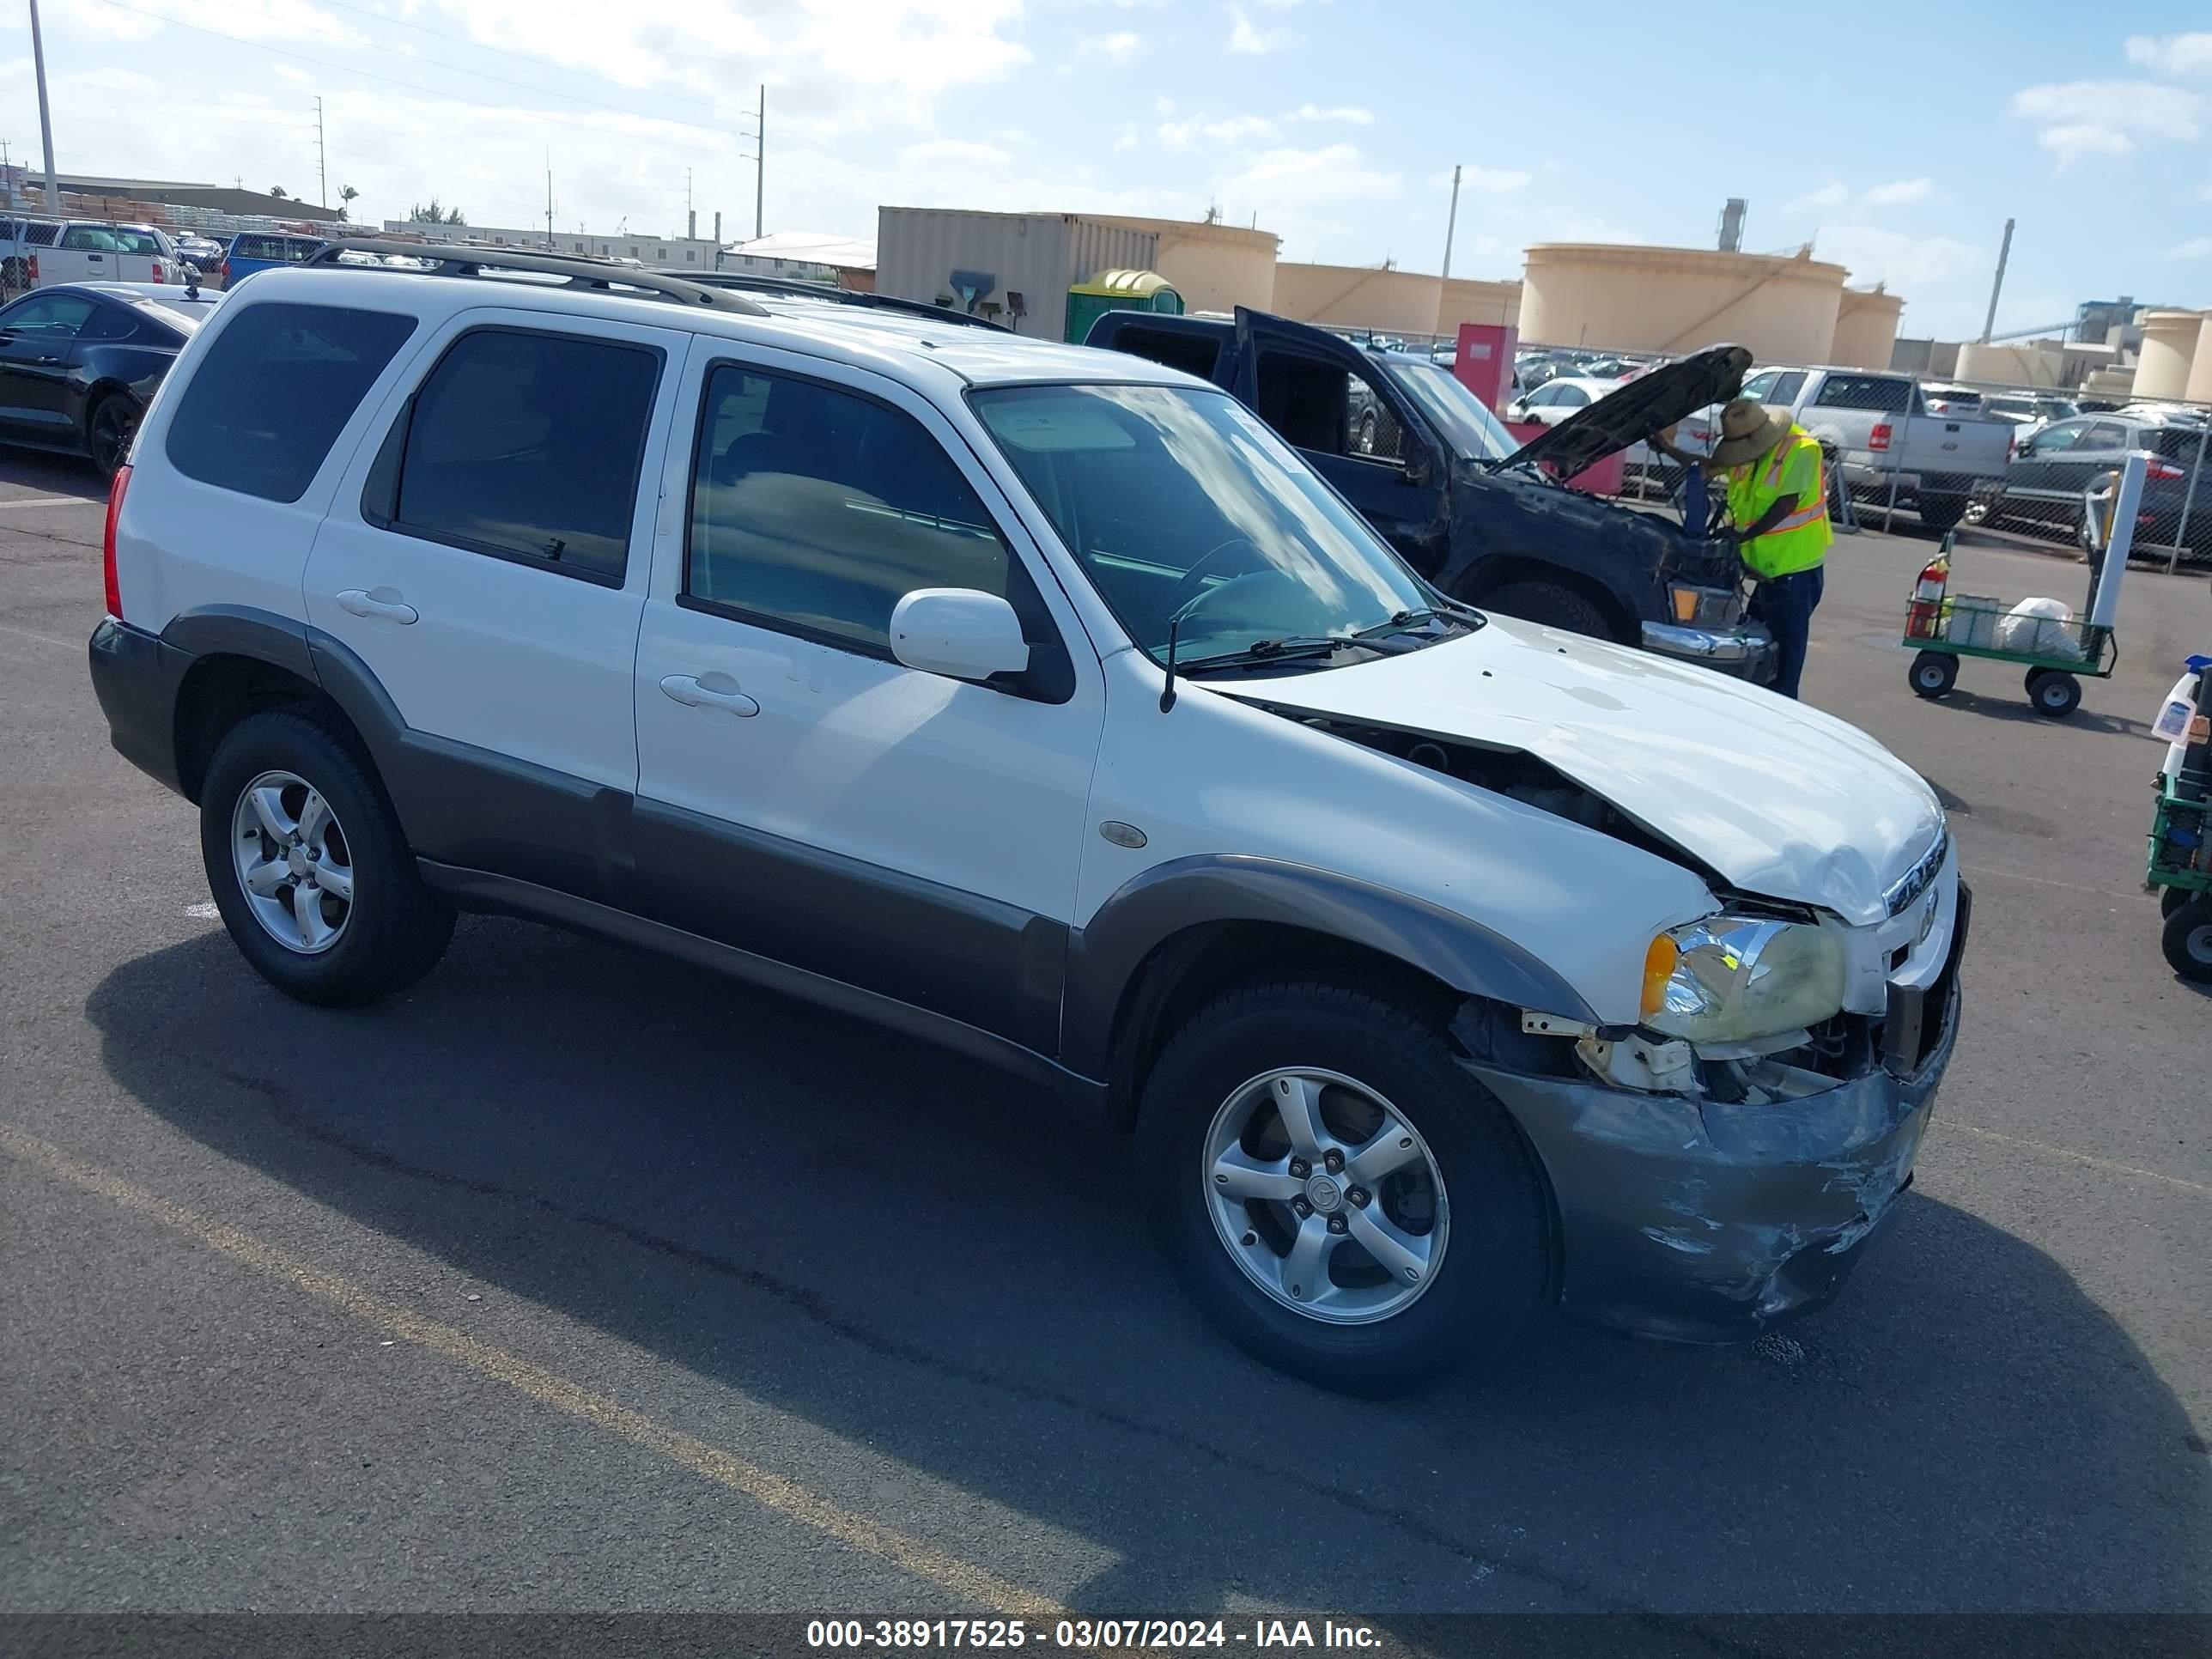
{"type": "Point", "coordinates": [1421, 457]}
{"type": "Point", "coordinates": [1876, 427]}
{"type": "Point", "coordinates": [92, 250]}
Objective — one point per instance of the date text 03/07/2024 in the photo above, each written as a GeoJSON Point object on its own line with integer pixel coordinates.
{"type": "Point", "coordinates": [1165, 1634]}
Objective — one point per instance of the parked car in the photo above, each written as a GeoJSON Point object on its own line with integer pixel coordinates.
{"type": "Point", "coordinates": [79, 362]}
{"type": "Point", "coordinates": [1950, 399]}
{"type": "Point", "coordinates": [1445, 484]}
{"type": "Point", "coordinates": [2051, 468]}
{"type": "Point", "coordinates": [204, 253]}
{"type": "Point", "coordinates": [2027, 408]}
{"type": "Point", "coordinates": [1042, 703]}
{"type": "Point", "coordinates": [1557, 399]}
{"type": "Point", "coordinates": [94, 251]}
{"type": "Point", "coordinates": [261, 250]}
{"type": "Point", "coordinates": [1877, 431]}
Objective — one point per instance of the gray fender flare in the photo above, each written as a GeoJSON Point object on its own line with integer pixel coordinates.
{"type": "Point", "coordinates": [1107, 955]}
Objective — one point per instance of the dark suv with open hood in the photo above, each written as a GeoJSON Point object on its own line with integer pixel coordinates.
{"type": "Point", "coordinates": [1487, 521]}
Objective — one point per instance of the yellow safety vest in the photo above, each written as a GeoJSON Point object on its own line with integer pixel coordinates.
{"type": "Point", "coordinates": [1800, 540]}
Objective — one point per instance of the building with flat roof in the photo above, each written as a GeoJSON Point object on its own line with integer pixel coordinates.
{"type": "Point", "coordinates": [675, 251]}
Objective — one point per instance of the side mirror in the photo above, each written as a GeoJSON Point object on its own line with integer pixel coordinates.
{"type": "Point", "coordinates": [959, 633]}
{"type": "Point", "coordinates": [1517, 412]}
{"type": "Point", "coordinates": [1418, 468]}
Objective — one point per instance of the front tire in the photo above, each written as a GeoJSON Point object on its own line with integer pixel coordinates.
{"type": "Point", "coordinates": [1552, 606]}
{"type": "Point", "coordinates": [1933, 673]}
{"type": "Point", "coordinates": [1443, 1252]}
{"type": "Point", "coordinates": [309, 868]}
{"type": "Point", "coordinates": [2055, 693]}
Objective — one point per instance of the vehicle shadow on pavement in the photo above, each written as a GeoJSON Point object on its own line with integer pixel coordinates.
{"type": "Point", "coordinates": [928, 1262]}
{"type": "Point", "coordinates": [52, 474]}
{"type": "Point", "coordinates": [2013, 707]}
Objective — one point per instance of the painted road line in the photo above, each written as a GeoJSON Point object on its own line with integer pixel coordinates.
{"type": "Point", "coordinates": [76, 646]}
{"type": "Point", "coordinates": [52, 501]}
{"type": "Point", "coordinates": [2067, 1155]}
{"type": "Point", "coordinates": [773, 1491]}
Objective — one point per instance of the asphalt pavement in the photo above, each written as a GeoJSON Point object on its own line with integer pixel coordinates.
{"type": "Point", "coordinates": [576, 1279]}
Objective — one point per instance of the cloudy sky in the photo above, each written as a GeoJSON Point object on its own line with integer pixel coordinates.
{"type": "Point", "coordinates": [1896, 137]}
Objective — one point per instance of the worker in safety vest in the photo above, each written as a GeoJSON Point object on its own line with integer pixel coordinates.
{"type": "Point", "coordinates": [1777, 509]}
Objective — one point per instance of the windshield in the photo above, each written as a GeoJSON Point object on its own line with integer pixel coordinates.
{"type": "Point", "coordinates": [1469, 427]}
{"type": "Point", "coordinates": [1182, 502]}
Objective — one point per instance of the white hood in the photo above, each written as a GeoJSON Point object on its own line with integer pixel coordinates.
{"type": "Point", "coordinates": [1782, 800]}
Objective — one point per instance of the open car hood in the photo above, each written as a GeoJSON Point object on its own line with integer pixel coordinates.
{"type": "Point", "coordinates": [1647, 405]}
{"type": "Point", "coordinates": [1780, 799]}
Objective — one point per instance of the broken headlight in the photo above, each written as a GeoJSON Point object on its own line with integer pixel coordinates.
{"type": "Point", "coordinates": [1731, 979]}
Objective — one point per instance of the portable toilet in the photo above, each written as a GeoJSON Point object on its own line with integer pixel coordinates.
{"type": "Point", "coordinates": [1117, 290]}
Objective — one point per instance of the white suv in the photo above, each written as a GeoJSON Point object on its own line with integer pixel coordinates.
{"type": "Point", "coordinates": [1039, 701]}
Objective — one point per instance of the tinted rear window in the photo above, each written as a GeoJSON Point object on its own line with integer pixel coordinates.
{"type": "Point", "coordinates": [273, 392]}
{"type": "Point", "coordinates": [1877, 392]}
{"type": "Point", "coordinates": [2180, 443]}
{"type": "Point", "coordinates": [1194, 354]}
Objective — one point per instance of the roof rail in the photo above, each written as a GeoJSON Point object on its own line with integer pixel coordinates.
{"type": "Point", "coordinates": [444, 259]}
{"type": "Point", "coordinates": [800, 288]}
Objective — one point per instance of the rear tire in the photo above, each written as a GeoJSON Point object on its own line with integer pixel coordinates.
{"type": "Point", "coordinates": [280, 782]}
{"type": "Point", "coordinates": [1552, 606]}
{"type": "Point", "coordinates": [109, 426]}
{"type": "Point", "coordinates": [1934, 674]}
{"type": "Point", "coordinates": [1380, 1080]}
{"type": "Point", "coordinates": [2055, 693]}
{"type": "Point", "coordinates": [2188, 940]}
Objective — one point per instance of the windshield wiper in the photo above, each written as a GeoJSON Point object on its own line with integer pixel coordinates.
{"type": "Point", "coordinates": [1260, 652]}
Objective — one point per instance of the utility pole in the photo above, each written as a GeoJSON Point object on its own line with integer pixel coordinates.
{"type": "Point", "coordinates": [322, 159]}
{"type": "Point", "coordinates": [1451, 225]}
{"type": "Point", "coordinates": [2004, 253]}
{"type": "Point", "coordinates": [760, 149]}
{"type": "Point", "coordinates": [549, 199]}
{"type": "Point", "coordinates": [690, 213]}
{"type": "Point", "coordinates": [47, 121]}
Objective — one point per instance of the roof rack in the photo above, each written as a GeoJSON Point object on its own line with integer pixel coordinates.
{"type": "Point", "coordinates": [800, 288]}
{"type": "Point", "coordinates": [605, 276]}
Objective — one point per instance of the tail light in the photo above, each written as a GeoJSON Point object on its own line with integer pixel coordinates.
{"type": "Point", "coordinates": [33, 269]}
{"type": "Point", "coordinates": [2165, 470]}
{"type": "Point", "coordinates": [1879, 438]}
{"type": "Point", "coordinates": [226, 273]}
{"type": "Point", "coordinates": [115, 494]}
{"type": "Point", "coordinates": [158, 276]}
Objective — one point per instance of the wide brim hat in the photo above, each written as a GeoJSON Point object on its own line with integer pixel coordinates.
{"type": "Point", "coordinates": [1749, 430]}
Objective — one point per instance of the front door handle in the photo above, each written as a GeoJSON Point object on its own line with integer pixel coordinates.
{"type": "Point", "coordinates": [390, 609]}
{"type": "Point", "coordinates": [695, 692]}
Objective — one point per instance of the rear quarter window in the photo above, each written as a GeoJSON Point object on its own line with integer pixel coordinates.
{"type": "Point", "coordinates": [1875, 391]}
{"type": "Point", "coordinates": [1194, 354]}
{"type": "Point", "coordinates": [272, 395]}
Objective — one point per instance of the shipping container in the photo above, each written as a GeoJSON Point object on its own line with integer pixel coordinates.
{"type": "Point", "coordinates": [1029, 261]}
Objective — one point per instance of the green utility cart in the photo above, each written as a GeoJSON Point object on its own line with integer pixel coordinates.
{"type": "Point", "coordinates": [1118, 290]}
{"type": "Point", "coordinates": [1943, 627]}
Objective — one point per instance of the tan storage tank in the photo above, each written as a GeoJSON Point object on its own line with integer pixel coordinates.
{"type": "Point", "coordinates": [1358, 296]}
{"type": "Point", "coordinates": [2200, 365]}
{"type": "Point", "coordinates": [2169, 347]}
{"type": "Point", "coordinates": [1866, 328]}
{"type": "Point", "coordinates": [2033, 362]}
{"type": "Point", "coordinates": [1214, 267]}
{"type": "Point", "coordinates": [1467, 300]}
{"type": "Point", "coordinates": [1677, 299]}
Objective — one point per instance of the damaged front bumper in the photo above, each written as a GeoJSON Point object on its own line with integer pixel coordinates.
{"type": "Point", "coordinates": [1747, 652]}
{"type": "Point", "coordinates": [1703, 1221]}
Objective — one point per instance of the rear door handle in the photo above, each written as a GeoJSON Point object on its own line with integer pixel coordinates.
{"type": "Point", "coordinates": [693, 692]}
{"type": "Point", "coordinates": [369, 605]}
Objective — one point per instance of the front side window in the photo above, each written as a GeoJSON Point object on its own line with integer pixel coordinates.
{"type": "Point", "coordinates": [1181, 503]}
{"type": "Point", "coordinates": [528, 446]}
{"type": "Point", "coordinates": [272, 395]}
{"type": "Point", "coordinates": [1786, 387]}
{"type": "Point", "coordinates": [817, 511]}
{"type": "Point", "coordinates": [1325, 409]}
{"type": "Point", "coordinates": [50, 320]}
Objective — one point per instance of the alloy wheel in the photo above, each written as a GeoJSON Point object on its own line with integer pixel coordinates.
{"type": "Point", "coordinates": [293, 865]}
{"type": "Point", "coordinates": [1325, 1196]}
{"type": "Point", "coordinates": [114, 423]}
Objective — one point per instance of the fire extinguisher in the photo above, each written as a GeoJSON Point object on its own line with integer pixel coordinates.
{"type": "Point", "coordinates": [1923, 618]}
